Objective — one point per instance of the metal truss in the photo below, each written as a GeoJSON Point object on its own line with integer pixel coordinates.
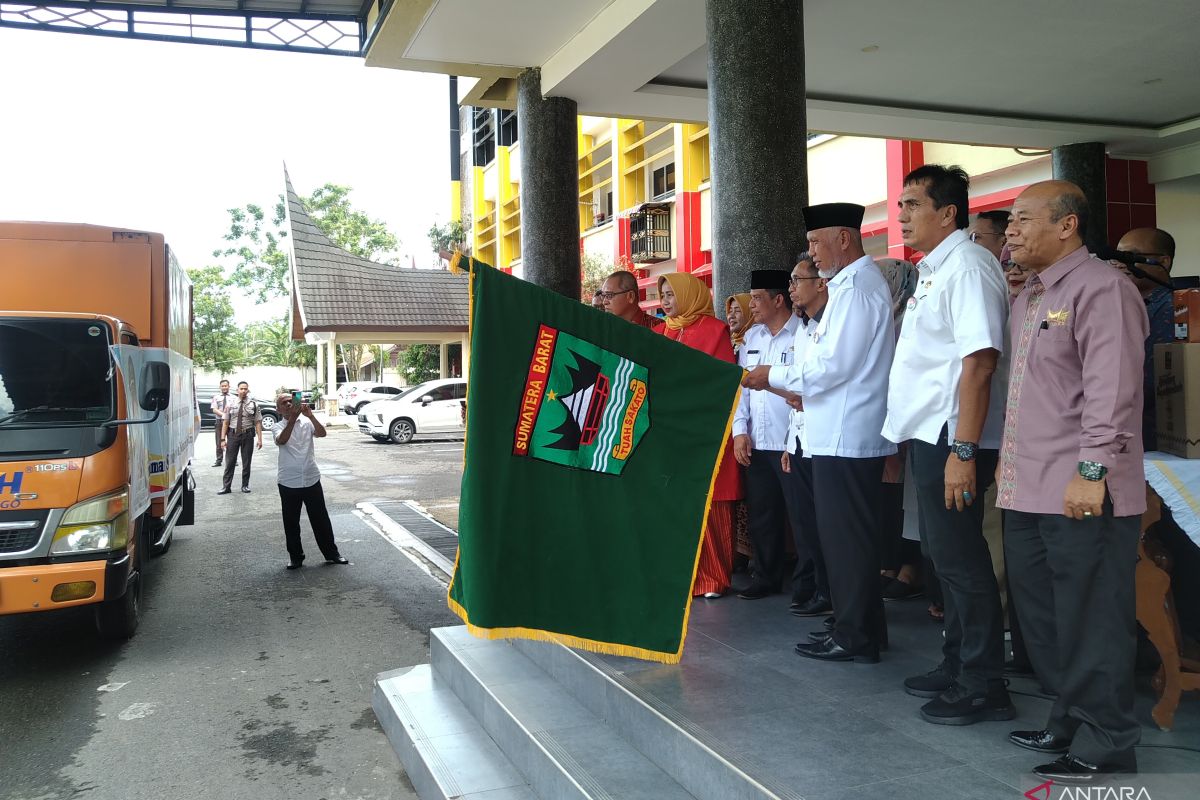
{"type": "Point", "coordinates": [305, 33]}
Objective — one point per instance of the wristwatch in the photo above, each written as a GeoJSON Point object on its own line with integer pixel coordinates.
{"type": "Point", "coordinates": [1092, 470]}
{"type": "Point", "coordinates": [965, 450]}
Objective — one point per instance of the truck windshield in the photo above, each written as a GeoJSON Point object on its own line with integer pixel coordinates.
{"type": "Point", "coordinates": [54, 373]}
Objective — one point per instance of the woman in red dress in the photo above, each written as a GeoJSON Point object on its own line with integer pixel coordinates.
{"type": "Point", "coordinates": [688, 305]}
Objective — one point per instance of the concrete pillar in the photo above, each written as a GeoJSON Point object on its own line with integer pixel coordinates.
{"type": "Point", "coordinates": [1083, 165]}
{"type": "Point", "coordinates": [321, 369]}
{"type": "Point", "coordinates": [549, 187]}
{"type": "Point", "coordinates": [331, 360]}
{"type": "Point", "coordinates": [443, 360]}
{"type": "Point", "coordinates": [757, 137]}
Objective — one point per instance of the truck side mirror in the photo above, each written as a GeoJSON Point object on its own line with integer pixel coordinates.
{"type": "Point", "coordinates": [427, 399]}
{"type": "Point", "coordinates": [156, 386]}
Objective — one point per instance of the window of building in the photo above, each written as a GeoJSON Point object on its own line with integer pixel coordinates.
{"type": "Point", "coordinates": [508, 128]}
{"type": "Point", "coordinates": [664, 180]}
{"type": "Point", "coordinates": [483, 137]}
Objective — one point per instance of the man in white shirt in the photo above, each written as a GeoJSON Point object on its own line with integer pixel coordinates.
{"type": "Point", "coordinates": [760, 427]}
{"type": "Point", "coordinates": [946, 399]}
{"type": "Point", "coordinates": [220, 402]}
{"type": "Point", "coordinates": [842, 382]}
{"type": "Point", "coordinates": [809, 296]}
{"type": "Point", "coordinates": [300, 481]}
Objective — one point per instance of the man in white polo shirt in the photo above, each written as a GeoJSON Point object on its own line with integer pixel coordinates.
{"type": "Point", "coordinates": [946, 398]}
{"type": "Point", "coordinates": [300, 481]}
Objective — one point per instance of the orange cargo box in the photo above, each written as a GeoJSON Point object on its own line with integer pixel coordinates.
{"type": "Point", "coordinates": [1187, 315]}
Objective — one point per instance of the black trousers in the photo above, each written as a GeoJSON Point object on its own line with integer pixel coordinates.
{"type": "Point", "coordinates": [1020, 654]}
{"type": "Point", "coordinates": [974, 645]}
{"type": "Point", "coordinates": [1074, 585]}
{"type": "Point", "coordinates": [847, 498]}
{"type": "Point", "coordinates": [239, 445]}
{"type": "Point", "coordinates": [769, 510]}
{"type": "Point", "coordinates": [312, 498]}
{"type": "Point", "coordinates": [217, 431]}
{"type": "Point", "coordinates": [811, 574]}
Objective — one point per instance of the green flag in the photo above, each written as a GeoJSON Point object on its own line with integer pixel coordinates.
{"type": "Point", "coordinates": [591, 450]}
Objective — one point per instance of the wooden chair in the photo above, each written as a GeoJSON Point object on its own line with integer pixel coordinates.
{"type": "Point", "coordinates": [1156, 613]}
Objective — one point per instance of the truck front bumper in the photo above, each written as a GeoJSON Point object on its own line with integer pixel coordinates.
{"type": "Point", "coordinates": [44, 587]}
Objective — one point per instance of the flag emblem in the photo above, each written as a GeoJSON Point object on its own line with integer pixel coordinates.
{"type": "Point", "coordinates": [583, 406]}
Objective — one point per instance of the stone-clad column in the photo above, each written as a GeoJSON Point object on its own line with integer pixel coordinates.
{"type": "Point", "coordinates": [757, 133]}
{"type": "Point", "coordinates": [549, 135]}
{"type": "Point", "coordinates": [1083, 165]}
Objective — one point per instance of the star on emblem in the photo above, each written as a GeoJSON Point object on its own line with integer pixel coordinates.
{"type": "Point", "coordinates": [551, 395]}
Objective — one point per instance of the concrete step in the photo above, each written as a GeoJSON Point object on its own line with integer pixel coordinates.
{"type": "Point", "coordinates": [485, 715]}
{"type": "Point", "coordinates": [445, 751]}
{"type": "Point", "coordinates": [692, 756]}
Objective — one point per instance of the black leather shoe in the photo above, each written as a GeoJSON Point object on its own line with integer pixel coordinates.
{"type": "Point", "coordinates": [960, 706]}
{"type": "Point", "coordinates": [829, 623]}
{"type": "Point", "coordinates": [932, 683]}
{"type": "Point", "coordinates": [1070, 769]}
{"type": "Point", "coordinates": [295, 564]}
{"type": "Point", "coordinates": [799, 599]}
{"type": "Point", "coordinates": [823, 635]}
{"type": "Point", "coordinates": [818, 606]}
{"type": "Point", "coordinates": [223, 491]}
{"type": "Point", "coordinates": [756, 591]}
{"type": "Point", "coordinates": [1040, 741]}
{"type": "Point", "coordinates": [829, 650]}
{"type": "Point", "coordinates": [338, 560]}
{"type": "Point", "coordinates": [216, 463]}
{"type": "Point", "coordinates": [245, 490]}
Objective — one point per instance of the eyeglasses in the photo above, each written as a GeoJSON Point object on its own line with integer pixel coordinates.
{"type": "Point", "coordinates": [611, 295]}
{"type": "Point", "coordinates": [793, 280]}
{"type": "Point", "coordinates": [974, 236]}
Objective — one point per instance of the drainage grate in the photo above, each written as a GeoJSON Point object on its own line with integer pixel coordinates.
{"type": "Point", "coordinates": [433, 533]}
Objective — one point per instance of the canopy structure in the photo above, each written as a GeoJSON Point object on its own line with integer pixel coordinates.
{"type": "Point", "coordinates": [335, 27]}
{"type": "Point", "coordinates": [1035, 75]}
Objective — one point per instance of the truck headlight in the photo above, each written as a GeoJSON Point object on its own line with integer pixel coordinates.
{"type": "Point", "coordinates": [98, 524]}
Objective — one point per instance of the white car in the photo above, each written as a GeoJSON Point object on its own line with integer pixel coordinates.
{"type": "Point", "coordinates": [360, 394]}
{"type": "Point", "coordinates": [431, 407]}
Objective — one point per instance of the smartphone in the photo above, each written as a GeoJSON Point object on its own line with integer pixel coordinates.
{"type": "Point", "coordinates": [296, 397]}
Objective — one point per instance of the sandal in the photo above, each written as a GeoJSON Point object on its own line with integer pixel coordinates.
{"type": "Point", "coordinates": [936, 612]}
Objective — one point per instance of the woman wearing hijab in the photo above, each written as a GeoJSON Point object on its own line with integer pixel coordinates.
{"type": "Point", "coordinates": [691, 321]}
{"type": "Point", "coordinates": [739, 319]}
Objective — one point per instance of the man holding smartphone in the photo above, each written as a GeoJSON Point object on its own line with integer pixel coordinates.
{"type": "Point", "coordinates": [300, 480]}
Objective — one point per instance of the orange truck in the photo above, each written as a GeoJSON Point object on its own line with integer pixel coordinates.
{"type": "Point", "coordinates": [97, 416]}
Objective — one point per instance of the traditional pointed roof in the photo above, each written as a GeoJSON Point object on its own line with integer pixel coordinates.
{"type": "Point", "coordinates": [336, 291]}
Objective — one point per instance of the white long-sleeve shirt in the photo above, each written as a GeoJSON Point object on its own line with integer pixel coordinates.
{"type": "Point", "coordinates": [761, 415]}
{"type": "Point", "coordinates": [843, 378]}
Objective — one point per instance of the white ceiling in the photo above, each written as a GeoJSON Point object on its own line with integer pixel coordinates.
{"type": "Point", "coordinates": [1021, 72]}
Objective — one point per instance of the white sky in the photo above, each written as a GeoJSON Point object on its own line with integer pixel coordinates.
{"type": "Point", "coordinates": [167, 136]}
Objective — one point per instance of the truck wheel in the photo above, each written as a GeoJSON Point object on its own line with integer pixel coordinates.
{"type": "Point", "coordinates": [402, 431]}
{"type": "Point", "coordinates": [118, 619]}
{"type": "Point", "coordinates": [269, 419]}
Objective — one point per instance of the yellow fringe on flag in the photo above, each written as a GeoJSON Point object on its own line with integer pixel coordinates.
{"type": "Point", "coordinates": [455, 261]}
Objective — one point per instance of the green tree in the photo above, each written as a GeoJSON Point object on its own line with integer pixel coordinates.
{"type": "Point", "coordinates": [595, 270]}
{"type": "Point", "coordinates": [447, 237]}
{"type": "Point", "coordinates": [420, 363]}
{"type": "Point", "coordinates": [215, 337]}
{"type": "Point", "coordinates": [256, 244]}
{"type": "Point", "coordinates": [270, 342]}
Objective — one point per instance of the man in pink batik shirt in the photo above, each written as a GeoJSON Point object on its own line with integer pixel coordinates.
{"type": "Point", "coordinates": [1071, 482]}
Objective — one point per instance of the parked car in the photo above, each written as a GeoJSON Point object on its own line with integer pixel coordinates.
{"type": "Point", "coordinates": [431, 407]}
{"type": "Point", "coordinates": [204, 396]}
{"type": "Point", "coordinates": [363, 393]}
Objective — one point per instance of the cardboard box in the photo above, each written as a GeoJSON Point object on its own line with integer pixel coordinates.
{"type": "Point", "coordinates": [1177, 392]}
{"type": "Point", "coordinates": [1187, 315]}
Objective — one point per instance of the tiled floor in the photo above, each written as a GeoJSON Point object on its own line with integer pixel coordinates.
{"type": "Point", "coordinates": [848, 731]}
